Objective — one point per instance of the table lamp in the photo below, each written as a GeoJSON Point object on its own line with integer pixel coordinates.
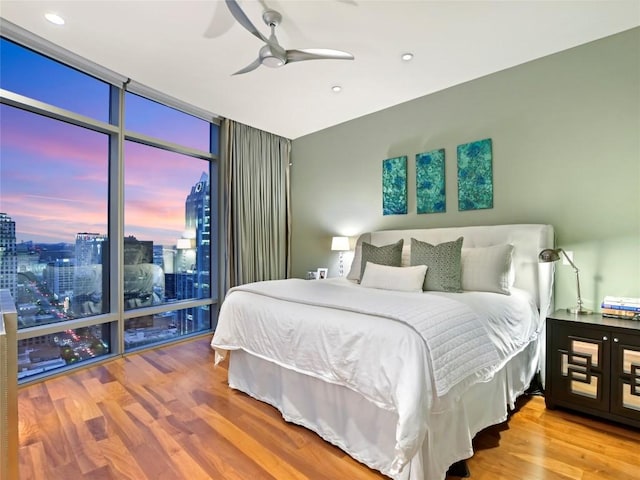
{"type": "Point", "coordinates": [553, 255]}
{"type": "Point", "coordinates": [340, 244]}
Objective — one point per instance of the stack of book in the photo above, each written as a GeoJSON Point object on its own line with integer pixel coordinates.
{"type": "Point", "coordinates": [621, 307]}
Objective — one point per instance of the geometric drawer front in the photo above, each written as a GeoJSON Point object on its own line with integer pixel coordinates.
{"type": "Point", "coordinates": [578, 364]}
{"type": "Point", "coordinates": [631, 390]}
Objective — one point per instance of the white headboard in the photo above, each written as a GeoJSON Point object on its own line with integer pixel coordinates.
{"type": "Point", "coordinates": [528, 240]}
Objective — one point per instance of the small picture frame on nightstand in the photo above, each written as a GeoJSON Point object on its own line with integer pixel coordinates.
{"type": "Point", "coordinates": [322, 273]}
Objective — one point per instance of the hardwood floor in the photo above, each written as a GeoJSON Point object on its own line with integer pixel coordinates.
{"type": "Point", "coordinates": [169, 414]}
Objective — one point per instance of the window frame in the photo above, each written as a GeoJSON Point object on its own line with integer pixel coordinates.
{"type": "Point", "coordinates": [117, 133]}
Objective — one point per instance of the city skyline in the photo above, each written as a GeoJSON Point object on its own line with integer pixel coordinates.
{"type": "Point", "coordinates": [37, 195]}
{"type": "Point", "coordinates": [51, 289]}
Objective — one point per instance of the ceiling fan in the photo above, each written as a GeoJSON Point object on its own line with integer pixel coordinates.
{"type": "Point", "coordinates": [272, 54]}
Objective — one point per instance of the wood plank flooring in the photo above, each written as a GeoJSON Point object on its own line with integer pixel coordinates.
{"type": "Point", "coordinates": [169, 414]}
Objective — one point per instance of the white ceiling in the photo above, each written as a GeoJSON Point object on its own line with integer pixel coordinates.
{"type": "Point", "coordinates": [183, 49]}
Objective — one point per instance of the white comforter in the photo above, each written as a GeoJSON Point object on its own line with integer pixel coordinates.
{"type": "Point", "coordinates": [396, 349]}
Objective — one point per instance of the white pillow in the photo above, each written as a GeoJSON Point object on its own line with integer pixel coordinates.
{"type": "Point", "coordinates": [487, 269]}
{"type": "Point", "coordinates": [404, 279]}
{"type": "Point", "coordinates": [406, 256]}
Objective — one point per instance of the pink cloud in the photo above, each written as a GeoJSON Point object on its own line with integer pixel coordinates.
{"type": "Point", "coordinates": [44, 140]}
{"type": "Point", "coordinates": [54, 181]}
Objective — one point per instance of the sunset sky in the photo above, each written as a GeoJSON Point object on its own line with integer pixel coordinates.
{"type": "Point", "coordinates": [54, 176]}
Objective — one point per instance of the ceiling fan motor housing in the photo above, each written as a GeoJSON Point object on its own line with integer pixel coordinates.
{"type": "Point", "coordinates": [271, 18]}
{"type": "Point", "coordinates": [272, 54]}
{"type": "Point", "coordinates": [270, 57]}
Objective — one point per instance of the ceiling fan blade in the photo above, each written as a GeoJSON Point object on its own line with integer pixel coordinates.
{"type": "Point", "coordinates": [317, 54]}
{"type": "Point", "coordinates": [252, 66]}
{"type": "Point", "coordinates": [243, 20]}
{"type": "Point", "coordinates": [220, 23]}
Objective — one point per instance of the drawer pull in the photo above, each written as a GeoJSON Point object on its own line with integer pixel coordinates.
{"type": "Point", "coordinates": [605, 338]}
{"type": "Point", "coordinates": [615, 339]}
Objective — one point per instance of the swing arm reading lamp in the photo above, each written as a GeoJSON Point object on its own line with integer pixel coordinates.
{"type": "Point", "coordinates": [553, 255]}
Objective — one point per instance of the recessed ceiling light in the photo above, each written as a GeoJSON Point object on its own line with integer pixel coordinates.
{"type": "Point", "coordinates": [54, 18]}
{"type": "Point", "coordinates": [407, 56]}
{"type": "Point", "coordinates": [336, 88]}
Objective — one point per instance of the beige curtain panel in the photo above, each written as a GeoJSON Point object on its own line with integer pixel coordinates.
{"type": "Point", "coordinates": [257, 213]}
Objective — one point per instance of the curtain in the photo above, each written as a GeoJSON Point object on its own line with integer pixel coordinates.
{"type": "Point", "coordinates": [257, 216]}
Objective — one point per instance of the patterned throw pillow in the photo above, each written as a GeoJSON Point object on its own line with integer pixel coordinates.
{"type": "Point", "coordinates": [390, 255]}
{"type": "Point", "coordinates": [444, 272]}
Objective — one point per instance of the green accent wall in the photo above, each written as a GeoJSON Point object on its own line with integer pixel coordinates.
{"type": "Point", "coordinates": [566, 151]}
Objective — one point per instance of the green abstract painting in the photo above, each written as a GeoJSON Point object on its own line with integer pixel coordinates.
{"type": "Point", "coordinates": [430, 185]}
{"type": "Point", "coordinates": [475, 175]}
{"type": "Point", "coordinates": [394, 186]}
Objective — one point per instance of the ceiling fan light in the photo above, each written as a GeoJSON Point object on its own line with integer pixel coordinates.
{"type": "Point", "coordinates": [272, 62]}
{"type": "Point", "coordinates": [271, 57]}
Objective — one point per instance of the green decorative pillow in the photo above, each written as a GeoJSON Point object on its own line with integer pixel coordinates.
{"type": "Point", "coordinates": [444, 273]}
{"type": "Point", "coordinates": [390, 255]}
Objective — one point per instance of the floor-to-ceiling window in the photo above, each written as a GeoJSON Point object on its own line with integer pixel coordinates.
{"type": "Point", "coordinates": [167, 219]}
{"type": "Point", "coordinates": [108, 222]}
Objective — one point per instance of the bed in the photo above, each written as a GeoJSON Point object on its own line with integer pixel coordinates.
{"type": "Point", "coordinates": [399, 378]}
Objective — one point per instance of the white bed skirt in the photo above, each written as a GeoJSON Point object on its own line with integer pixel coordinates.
{"type": "Point", "coordinates": [367, 432]}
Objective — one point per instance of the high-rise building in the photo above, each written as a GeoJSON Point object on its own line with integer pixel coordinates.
{"type": "Point", "coordinates": [137, 251]}
{"type": "Point", "coordinates": [194, 280]}
{"type": "Point", "coordinates": [91, 279]}
{"type": "Point", "coordinates": [158, 256]}
{"type": "Point", "coordinates": [28, 259]}
{"type": "Point", "coordinates": [8, 255]}
{"type": "Point", "coordinates": [58, 277]}
{"type": "Point", "coordinates": [90, 248]}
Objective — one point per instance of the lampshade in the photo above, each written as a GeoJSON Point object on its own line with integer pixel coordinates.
{"type": "Point", "coordinates": [340, 244]}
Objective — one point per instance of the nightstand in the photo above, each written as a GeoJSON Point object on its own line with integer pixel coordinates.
{"type": "Point", "coordinates": [593, 366]}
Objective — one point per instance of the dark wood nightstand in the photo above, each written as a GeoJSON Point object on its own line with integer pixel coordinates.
{"type": "Point", "coordinates": [593, 366]}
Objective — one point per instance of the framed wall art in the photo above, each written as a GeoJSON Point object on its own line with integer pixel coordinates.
{"type": "Point", "coordinates": [475, 175]}
{"type": "Point", "coordinates": [394, 186]}
{"type": "Point", "coordinates": [430, 182]}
